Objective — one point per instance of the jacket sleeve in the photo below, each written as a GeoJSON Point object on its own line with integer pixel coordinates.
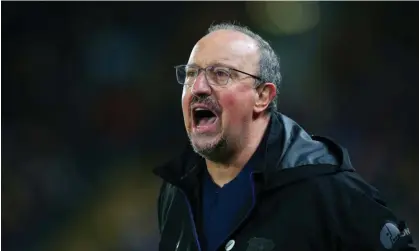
{"type": "Point", "coordinates": [160, 207]}
{"type": "Point", "coordinates": [164, 202]}
{"type": "Point", "coordinates": [363, 220]}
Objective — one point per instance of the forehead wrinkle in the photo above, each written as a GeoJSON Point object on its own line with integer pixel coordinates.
{"type": "Point", "coordinates": [240, 60]}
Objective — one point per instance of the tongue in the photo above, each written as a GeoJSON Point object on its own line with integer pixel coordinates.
{"type": "Point", "coordinates": [206, 121]}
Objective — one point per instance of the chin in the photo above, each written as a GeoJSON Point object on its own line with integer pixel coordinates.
{"type": "Point", "coordinates": [203, 142]}
{"type": "Point", "coordinates": [212, 148]}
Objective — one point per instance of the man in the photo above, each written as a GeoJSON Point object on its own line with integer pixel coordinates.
{"type": "Point", "coordinates": [252, 179]}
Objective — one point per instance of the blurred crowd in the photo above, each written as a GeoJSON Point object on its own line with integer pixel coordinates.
{"type": "Point", "coordinates": [90, 105]}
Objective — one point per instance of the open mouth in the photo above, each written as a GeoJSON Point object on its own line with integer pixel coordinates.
{"type": "Point", "coordinates": [203, 117]}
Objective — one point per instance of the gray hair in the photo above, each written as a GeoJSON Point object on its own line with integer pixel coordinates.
{"type": "Point", "coordinates": [269, 68]}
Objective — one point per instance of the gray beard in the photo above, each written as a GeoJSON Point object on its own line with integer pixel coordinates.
{"type": "Point", "coordinates": [218, 153]}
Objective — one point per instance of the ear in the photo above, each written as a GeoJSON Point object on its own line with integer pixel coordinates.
{"type": "Point", "coordinates": [265, 93]}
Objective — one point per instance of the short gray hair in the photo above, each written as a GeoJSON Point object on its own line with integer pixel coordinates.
{"type": "Point", "coordinates": [269, 68]}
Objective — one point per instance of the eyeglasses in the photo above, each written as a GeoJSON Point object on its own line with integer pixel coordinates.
{"type": "Point", "coordinates": [215, 75]}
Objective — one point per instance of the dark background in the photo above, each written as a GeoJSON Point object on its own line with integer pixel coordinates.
{"type": "Point", "coordinates": [90, 105]}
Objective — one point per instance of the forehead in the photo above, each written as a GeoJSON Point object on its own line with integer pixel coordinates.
{"type": "Point", "coordinates": [227, 47]}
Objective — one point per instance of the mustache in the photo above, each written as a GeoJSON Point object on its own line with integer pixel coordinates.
{"type": "Point", "coordinates": [206, 100]}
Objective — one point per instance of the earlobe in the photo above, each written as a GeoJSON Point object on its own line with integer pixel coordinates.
{"type": "Point", "coordinates": [264, 96]}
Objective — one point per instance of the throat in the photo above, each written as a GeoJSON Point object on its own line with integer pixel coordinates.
{"type": "Point", "coordinates": [222, 175]}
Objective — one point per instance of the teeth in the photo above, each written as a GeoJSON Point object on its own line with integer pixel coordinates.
{"type": "Point", "coordinates": [200, 109]}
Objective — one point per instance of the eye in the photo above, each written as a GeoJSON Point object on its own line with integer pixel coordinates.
{"type": "Point", "coordinates": [221, 73]}
{"type": "Point", "coordinates": [190, 72]}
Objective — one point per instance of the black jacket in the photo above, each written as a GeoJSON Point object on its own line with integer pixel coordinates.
{"type": "Point", "coordinates": [307, 196]}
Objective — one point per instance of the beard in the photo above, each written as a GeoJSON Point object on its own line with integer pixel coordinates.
{"type": "Point", "coordinates": [218, 151]}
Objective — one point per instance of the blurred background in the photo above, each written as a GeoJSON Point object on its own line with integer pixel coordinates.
{"type": "Point", "coordinates": [90, 105]}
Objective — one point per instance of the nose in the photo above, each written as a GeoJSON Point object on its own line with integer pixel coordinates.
{"type": "Point", "coordinates": [201, 86]}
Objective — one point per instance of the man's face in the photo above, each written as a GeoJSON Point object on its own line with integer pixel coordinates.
{"type": "Point", "coordinates": [217, 117]}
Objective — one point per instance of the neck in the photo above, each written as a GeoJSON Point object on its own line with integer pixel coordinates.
{"type": "Point", "coordinates": [223, 173]}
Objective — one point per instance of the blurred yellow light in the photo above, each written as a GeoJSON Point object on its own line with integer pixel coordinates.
{"type": "Point", "coordinates": [284, 18]}
{"type": "Point", "coordinates": [257, 14]}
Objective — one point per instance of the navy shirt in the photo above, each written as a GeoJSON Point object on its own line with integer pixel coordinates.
{"type": "Point", "coordinates": [220, 205]}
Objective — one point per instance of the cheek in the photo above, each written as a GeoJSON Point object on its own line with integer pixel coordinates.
{"type": "Point", "coordinates": [237, 105]}
{"type": "Point", "coordinates": [185, 104]}
{"type": "Point", "coordinates": [184, 92]}
{"type": "Point", "coordinates": [230, 103]}
{"type": "Point", "coordinates": [236, 97]}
